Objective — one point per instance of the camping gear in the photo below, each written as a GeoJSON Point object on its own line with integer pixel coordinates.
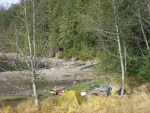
{"type": "Point", "coordinates": [61, 92]}
{"type": "Point", "coordinates": [102, 88]}
{"type": "Point", "coordinates": [95, 94]}
{"type": "Point", "coordinates": [108, 91]}
{"type": "Point", "coordinates": [112, 90]}
{"type": "Point", "coordinates": [71, 98]}
{"type": "Point", "coordinates": [54, 91]}
{"type": "Point", "coordinates": [83, 93]}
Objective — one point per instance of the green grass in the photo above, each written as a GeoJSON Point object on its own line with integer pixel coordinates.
{"type": "Point", "coordinates": [12, 98]}
{"type": "Point", "coordinates": [85, 86]}
{"type": "Point", "coordinates": [77, 87]}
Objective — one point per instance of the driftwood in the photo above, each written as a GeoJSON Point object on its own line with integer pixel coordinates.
{"type": "Point", "coordinates": [89, 66]}
{"type": "Point", "coordinates": [77, 65]}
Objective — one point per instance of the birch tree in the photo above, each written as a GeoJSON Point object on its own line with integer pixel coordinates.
{"type": "Point", "coordinates": [32, 47]}
{"type": "Point", "coordinates": [142, 29]}
{"type": "Point", "coordinates": [28, 31]}
{"type": "Point", "coordinates": [119, 47]}
{"type": "Point", "coordinates": [110, 33]}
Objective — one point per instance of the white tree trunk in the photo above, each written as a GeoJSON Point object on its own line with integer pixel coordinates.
{"type": "Point", "coordinates": [125, 56]}
{"type": "Point", "coordinates": [34, 58]}
{"type": "Point", "coordinates": [119, 48]}
{"type": "Point", "coordinates": [32, 54]}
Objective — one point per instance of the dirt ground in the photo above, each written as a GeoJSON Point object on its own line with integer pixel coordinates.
{"type": "Point", "coordinates": [59, 75]}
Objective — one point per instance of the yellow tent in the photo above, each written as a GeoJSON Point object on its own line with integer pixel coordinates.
{"type": "Point", "coordinates": [71, 98]}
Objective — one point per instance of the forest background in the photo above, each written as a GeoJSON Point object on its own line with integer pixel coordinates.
{"type": "Point", "coordinates": [83, 29]}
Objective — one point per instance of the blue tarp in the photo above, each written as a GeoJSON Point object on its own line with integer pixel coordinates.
{"type": "Point", "coordinates": [103, 88]}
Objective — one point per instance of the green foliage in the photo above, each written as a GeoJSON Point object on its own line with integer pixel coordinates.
{"type": "Point", "coordinates": [12, 98]}
{"type": "Point", "coordinates": [76, 28]}
{"type": "Point", "coordinates": [42, 83]}
{"type": "Point", "coordinates": [60, 54]}
{"type": "Point", "coordinates": [87, 53]}
{"type": "Point", "coordinates": [12, 66]}
{"type": "Point", "coordinates": [138, 67]}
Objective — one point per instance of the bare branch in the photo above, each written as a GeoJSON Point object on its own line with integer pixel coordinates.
{"type": "Point", "coordinates": [42, 19]}
{"type": "Point", "coordinates": [145, 38]}
{"type": "Point", "coordinates": [17, 16]}
{"type": "Point", "coordinates": [103, 31]}
{"type": "Point", "coordinates": [109, 51]}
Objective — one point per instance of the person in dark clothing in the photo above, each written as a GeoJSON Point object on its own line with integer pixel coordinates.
{"type": "Point", "coordinates": [108, 91]}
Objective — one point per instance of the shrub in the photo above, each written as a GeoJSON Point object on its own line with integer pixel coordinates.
{"type": "Point", "coordinates": [87, 53]}
{"type": "Point", "coordinates": [139, 68]}
{"type": "Point", "coordinates": [60, 54]}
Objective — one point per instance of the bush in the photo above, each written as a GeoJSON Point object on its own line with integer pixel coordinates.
{"type": "Point", "coordinates": [87, 53]}
{"type": "Point", "coordinates": [60, 54]}
{"type": "Point", "coordinates": [139, 68]}
{"type": "Point", "coordinates": [71, 53]}
{"type": "Point", "coordinates": [12, 66]}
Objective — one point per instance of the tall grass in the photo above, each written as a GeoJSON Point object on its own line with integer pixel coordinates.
{"type": "Point", "coordinates": [137, 103]}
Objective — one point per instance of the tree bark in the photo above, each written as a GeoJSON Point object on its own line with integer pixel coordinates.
{"type": "Point", "coordinates": [36, 100]}
{"type": "Point", "coordinates": [32, 54]}
{"type": "Point", "coordinates": [139, 15]}
{"type": "Point", "coordinates": [119, 49]}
